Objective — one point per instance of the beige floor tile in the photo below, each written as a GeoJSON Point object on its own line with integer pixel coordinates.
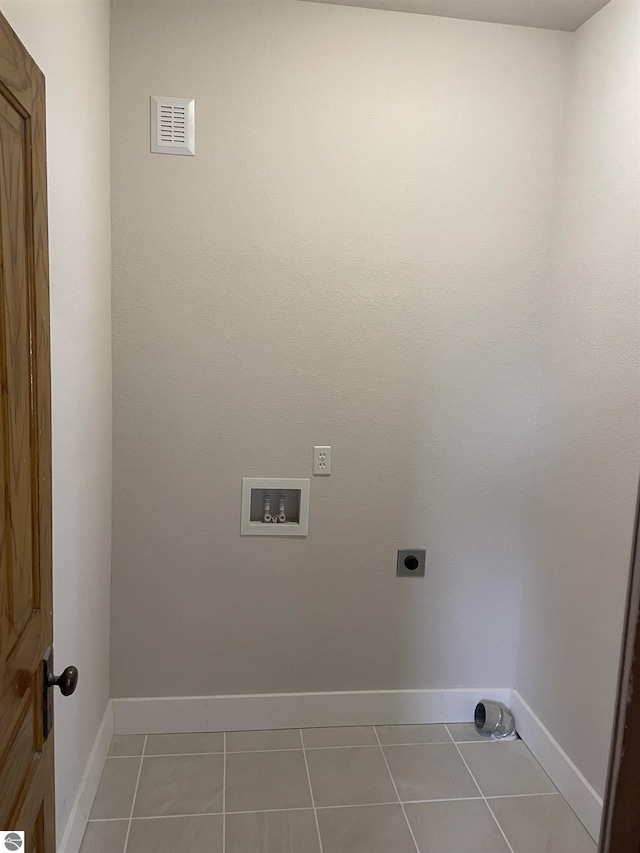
{"type": "Point", "coordinates": [365, 829]}
{"type": "Point", "coordinates": [350, 776]}
{"type": "Point", "coordinates": [430, 772]}
{"type": "Point", "coordinates": [126, 745]}
{"type": "Point", "coordinates": [467, 732]}
{"type": "Point", "coordinates": [266, 780]}
{"type": "Point", "coordinates": [115, 791]}
{"type": "Point", "coordinates": [179, 796]}
{"type": "Point", "coordinates": [542, 825]}
{"type": "Point", "coordinates": [462, 826]}
{"type": "Point", "coordinates": [272, 832]}
{"type": "Point", "coordinates": [413, 734]}
{"type": "Point", "coordinates": [339, 736]}
{"type": "Point", "coordinates": [505, 768]}
{"type": "Point", "coordinates": [256, 741]}
{"type": "Point", "coordinates": [105, 837]}
{"type": "Point", "coordinates": [185, 743]}
{"type": "Point", "coordinates": [171, 834]}
{"type": "Point", "coordinates": [180, 785]}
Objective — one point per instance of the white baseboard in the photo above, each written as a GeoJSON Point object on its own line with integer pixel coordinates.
{"type": "Point", "coordinates": [297, 710]}
{"type": "Point", "coordinates": [74, 830]}
{"type": "Point", "coordinates": [574, 787]}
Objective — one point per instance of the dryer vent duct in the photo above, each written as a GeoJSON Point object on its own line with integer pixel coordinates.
{"type": "Point", "coordinates": [494, 720]}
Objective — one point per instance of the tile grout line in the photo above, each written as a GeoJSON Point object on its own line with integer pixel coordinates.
{"type": "Point", "coordinates": [515, 796]}
{"type": "Point", "coordinates": [156, 817]}
{"type": "Point", "coordinates": [291, 749]}
{"type": "Point", "coordinates": [224, 793]}
{"type": "Point", "coordinates": [507, 842]}
{"type": "Point", "coordinates": [325, 808]}
{"type": "Point", "coordinates": [313, 802]}
{"type": "Point", "coordinates": [395, 788]}
{"type": "Point", "coordinates": [135, 794]}
{"type": "Point", "coordinates": [167, 754]}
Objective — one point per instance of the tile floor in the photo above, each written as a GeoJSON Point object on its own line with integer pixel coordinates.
{"type": "Point", "coordinates": [384, 789]}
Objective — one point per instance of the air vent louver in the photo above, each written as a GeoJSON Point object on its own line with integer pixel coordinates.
{"type": "Point", "coordinates": [172, 125]}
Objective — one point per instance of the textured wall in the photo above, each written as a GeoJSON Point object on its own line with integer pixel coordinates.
{"type": "Point", "coordinates": [70, 43]}
{"type": "Point", "coordinates": [586, 464]}
{"type": "Point", "coordinates": [354, 257]}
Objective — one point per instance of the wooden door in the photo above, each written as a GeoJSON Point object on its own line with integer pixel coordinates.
{"type": "Point", "coordinates": [621, 814]}
{"type": "Point", "coordinates": [26, 755]}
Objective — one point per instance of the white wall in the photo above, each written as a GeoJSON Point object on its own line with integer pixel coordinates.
{"type": "Point", "coordinates": [354, 257]}
{"type": "Point", "coordinates": [70, 43]}
{"type": "Point", "coordinates": [586, 463]}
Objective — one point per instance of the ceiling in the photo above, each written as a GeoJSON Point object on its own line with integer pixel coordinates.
{"type": "Point", "coordinates": [548, 14]}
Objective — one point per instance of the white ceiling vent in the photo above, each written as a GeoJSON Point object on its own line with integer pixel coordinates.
{"type": "Point", "coordinates": [173, 125]}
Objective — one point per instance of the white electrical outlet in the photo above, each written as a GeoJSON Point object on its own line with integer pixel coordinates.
{"type": "Point", "coordinates": [321, 461]}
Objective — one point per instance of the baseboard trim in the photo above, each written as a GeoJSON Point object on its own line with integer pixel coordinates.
{"type": "Point", "coordinates": [574, 787]}
{"type": "Point", "coordinates": [81, 809]}
{"type": "Point", "coordinates": [297, 710]}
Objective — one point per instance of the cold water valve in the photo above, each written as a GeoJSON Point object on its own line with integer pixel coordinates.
{"type": "Point", "coordinates": [266, 516]}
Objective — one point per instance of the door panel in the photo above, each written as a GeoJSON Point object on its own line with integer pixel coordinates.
{"type": "Point", "coordinates": [21, 604]}
{"type": "Point", "coordinates": [26, 756]}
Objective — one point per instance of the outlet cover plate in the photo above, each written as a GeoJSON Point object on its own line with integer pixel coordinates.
{"type": "Point", "coordinates": [321, 461]}
{"type": "Point", "coordinates": [411, 563]}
